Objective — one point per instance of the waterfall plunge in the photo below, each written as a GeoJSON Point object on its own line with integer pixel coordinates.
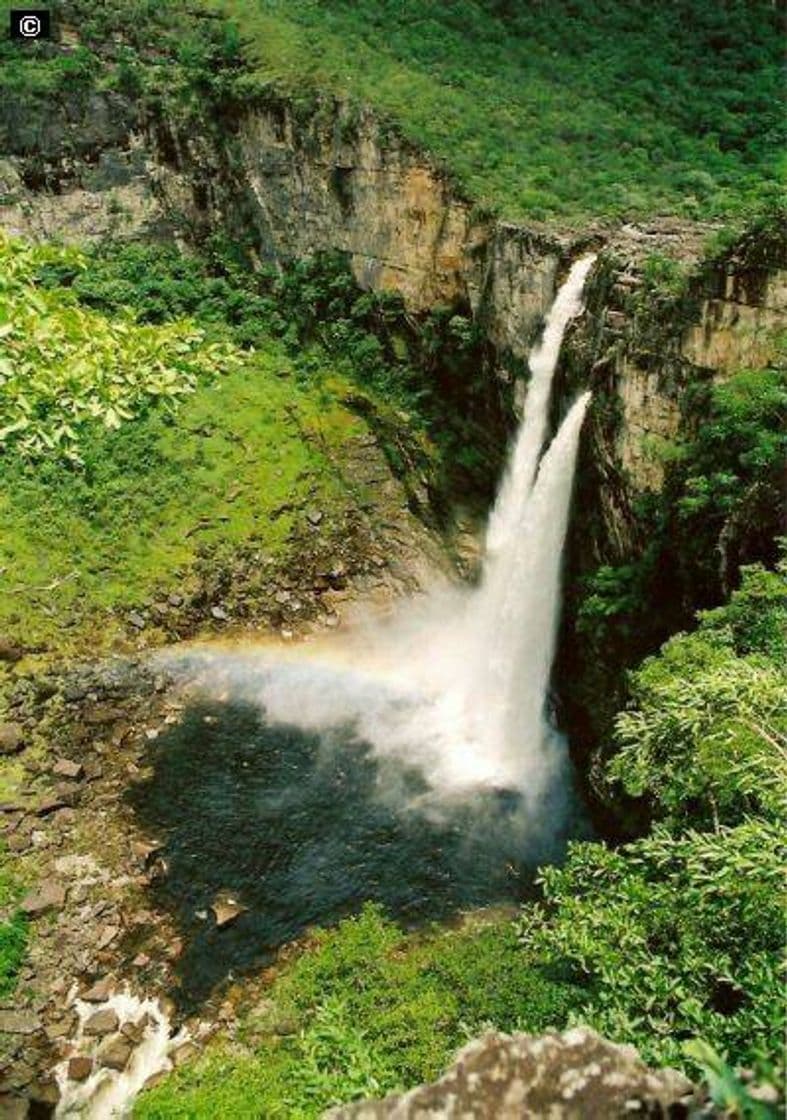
{"type": "Point", "coordinates": [457, 683]}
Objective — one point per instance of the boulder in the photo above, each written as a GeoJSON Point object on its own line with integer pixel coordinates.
{"type": "Point", "coordinates": [100, 991]}
{"type": "Point", "coordinates": [80, 1068]}
{"type": "Point", "coordinates": [12, 738]}
{"type": "Point", "coordinates": [49, 895]}
{"type": "Point", "coordinates": [569, 1076]}
{"type": "Point", "coordinates": [65, 768]}
{"type": "Point", "coordinates": [226, 910]}
{"type": "Point", "coordinates": [19, 1022]}
{"type": "Point", "coordinates": [13, 1108]}
{"type": "Point", "coordinates": [101, 1022]}
{"type": "Point", "coordinates": [115, 1054]}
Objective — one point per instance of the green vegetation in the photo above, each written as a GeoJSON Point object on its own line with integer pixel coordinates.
{"type": "Point", "coordinates": [366, 1010]}
{"type": "Point", "coordinates": [110, 494]}
{"type": "Point", "coordinates": [681, 934]}
{"type": "Point", "coordinates": [558, 110]}
{"type": "Point", "coordinates": [62, 369]}
{"type": "Point", "coordinates": [13, 930]}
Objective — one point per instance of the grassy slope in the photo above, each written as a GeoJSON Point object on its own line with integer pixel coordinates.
{"type": "Point", "coordinates": [112, 535]}
{"type": "Point", "coordinates": [553, 110]}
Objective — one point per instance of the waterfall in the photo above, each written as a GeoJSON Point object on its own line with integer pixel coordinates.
{"type": "Point", "coordinates": [456, 684]}
{"type": "Point", "coordinates": [520, 473]}
{"type": "Point", "coordinates": [513, 617]}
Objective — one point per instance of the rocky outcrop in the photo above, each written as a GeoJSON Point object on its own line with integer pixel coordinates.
{"type": "Point", "coordinates": [571, 1076]}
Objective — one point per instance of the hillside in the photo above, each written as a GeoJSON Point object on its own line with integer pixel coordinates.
{"type": "Point", "coordinates": [563, 110]}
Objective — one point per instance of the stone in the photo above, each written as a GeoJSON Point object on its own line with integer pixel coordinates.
{"type": "Point", "coordinates": [154, 1080]}
{"type": "Point", "coordinates": [136, 620]}
{"type": "Point", "coordinates": [13, 1108]}
{"type": "Point", "coordinates": [101, 1022]}
{"type": "Point", "coordinates": [80, 1068]}
{"type": "Point", "coordinates": [107, 936]}
{"type": "Point", "coordinates": [175, 600]}
{"type": "Point", "coordinates": [115, 1054]}
{"type": "Point", "coordinates": [314, 516]}
{"type": "Point", "coordinates": [100, 991]}
{"type": "Point", "coordinates": [10, 651]}
{"type": "Point", "coordinates": [226, 910]}
{"type": "Point", "coordinates": [61, 1028]}
{"type": "Point", "coordinates": [18, 842]}
{"type": "Point", "coordinates": [65, 768]}
{"type": "Point", "coordinates": [184, 1053]}
{"type": "Point", "coordinates": [566, 1076]}
{"type": "Point", "coordinates": [19, 1022]}
{"type": "Point", "coordinates": [49, 804]}
{"type": "Point", "coordinates": [134, 1032]}
{"type": "Point", "coordinates": [12, 738]}
{"type": "Point", "coordinates": [219, 614]}
{"type": "Point", "coordinates": [141, 960]}
{"type": "Point", "coordinates": [45, 1092]}
{"type": "Point", "coordinates": [48, 895]}
{"type": "Point", "coordinates": [144, 850]}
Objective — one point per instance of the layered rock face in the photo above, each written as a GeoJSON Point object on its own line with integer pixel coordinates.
{"type": "Point", "coordinates": [569, 1076]}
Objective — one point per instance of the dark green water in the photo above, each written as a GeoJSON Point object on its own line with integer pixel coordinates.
{"type": "Point", "coordinates": [303, 829]}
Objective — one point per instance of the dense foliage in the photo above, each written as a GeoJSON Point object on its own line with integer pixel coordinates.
{"type": "Point", "coordinates": [63, 369]}
{"type": "Point", "coordinates": [681, 933]}
{"type": "Point", "coordinates": [554, 110]}
{"type": "Point", "coordinates": [705, 737]}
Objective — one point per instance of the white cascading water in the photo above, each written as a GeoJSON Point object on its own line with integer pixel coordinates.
{"type": "Point", "coordinates": [457, 683]}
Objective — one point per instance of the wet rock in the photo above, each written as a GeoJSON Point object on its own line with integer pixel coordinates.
{"type": "Point", "coordinates": [66, 768]}
{"type": "Point", "coordinates": [19, 1022]}
{"type": "Point", "coordinates": [100, 991]}
{"type": "Point", "coordinates": [115, 1054]}
{"type": "Point", "coordinates": [80, 1068]}
{"type": "Point", "coordinates": [226, 910]}
{"type": "Point", "coordinates": [101, 1022]}
{"type": "Point", "coordinates": [48, 895]}
{"type": "Point", "coordinates": [567, 1076]}
{"type": "Point", "coordinates": [134, 1032]}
